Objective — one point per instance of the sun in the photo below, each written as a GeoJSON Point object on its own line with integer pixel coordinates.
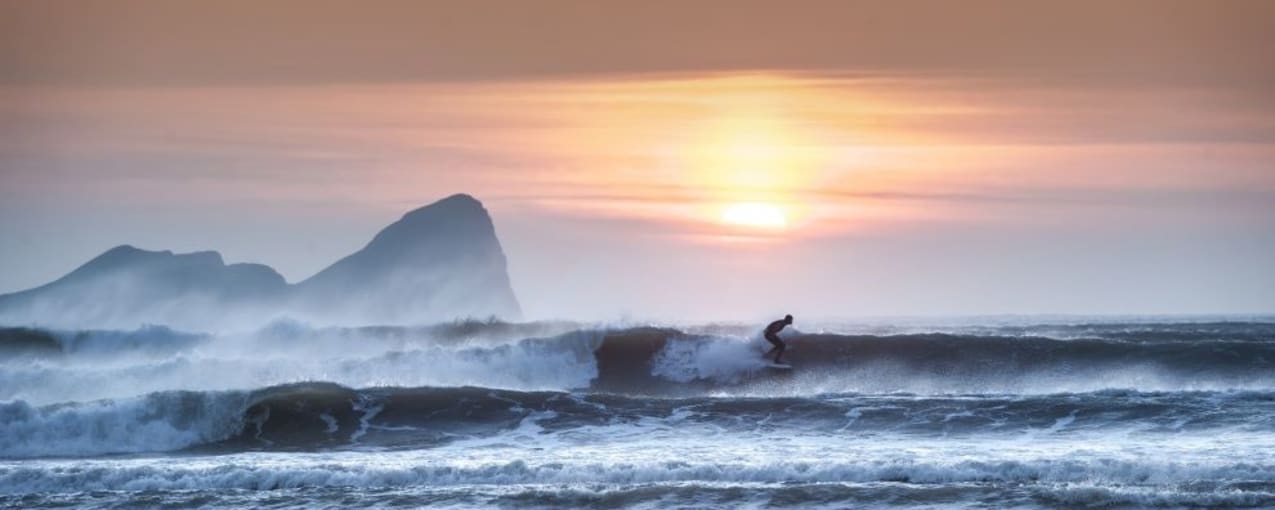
{"type": "Point", "coordinates": [754, 214]}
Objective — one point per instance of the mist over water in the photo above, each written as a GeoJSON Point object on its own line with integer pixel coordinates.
{"type": "Point", "coordinates": [1001, 412]}
{"type": "Point", "coordinates": [62, 365]}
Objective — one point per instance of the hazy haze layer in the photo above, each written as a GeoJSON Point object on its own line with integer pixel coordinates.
{"type": "Point", "coordinates": [924, 157]}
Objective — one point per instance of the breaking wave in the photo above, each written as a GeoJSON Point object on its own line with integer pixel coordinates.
{"type": "Point", "coordinates": [493, 414]}
{"type": "Point", "coordinates": [49, 367]}
{"type": "Point", "coordinates": [317, 416]}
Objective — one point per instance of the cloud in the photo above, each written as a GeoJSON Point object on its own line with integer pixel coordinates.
{"type": "Point", "coordinates": [154, 42]}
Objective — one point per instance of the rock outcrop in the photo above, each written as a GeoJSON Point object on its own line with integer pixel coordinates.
{"type": "Point", "coordinates": [440, 262]}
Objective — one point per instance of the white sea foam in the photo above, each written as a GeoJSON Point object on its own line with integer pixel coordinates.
{"type": "Point", "coordinates": [709, 358]}
{"type": "Point", "coordinates": [255, 361]}
{"type": "Point", "coordinates": [157, 422]}
{"type": "Point", "coordinates": [637, 464]}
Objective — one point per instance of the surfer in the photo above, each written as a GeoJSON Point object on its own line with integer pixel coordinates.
{"type": "Point", "coordinates": [771, 335]}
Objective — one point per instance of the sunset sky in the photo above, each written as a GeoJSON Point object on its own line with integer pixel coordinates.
{"type": "Point", "coordinates": [702, 160]}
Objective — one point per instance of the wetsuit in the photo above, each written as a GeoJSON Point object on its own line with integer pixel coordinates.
{"type": "Point", "coordinates": [770, 334]}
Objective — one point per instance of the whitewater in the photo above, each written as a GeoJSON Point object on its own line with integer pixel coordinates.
{"type": "Point", "coordinates": [978, 413]}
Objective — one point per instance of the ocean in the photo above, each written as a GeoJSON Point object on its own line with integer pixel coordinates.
{"type": "Point", "coordinates": [975, 413]}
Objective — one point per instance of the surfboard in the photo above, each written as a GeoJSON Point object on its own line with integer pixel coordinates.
{"type": "Point", "coordinates": [779, 366]}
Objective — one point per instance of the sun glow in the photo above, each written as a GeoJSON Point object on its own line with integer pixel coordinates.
{"type": "Point", "coordinates": [754, 214]}
{"type": "Point", "coordinates": [745, 152]}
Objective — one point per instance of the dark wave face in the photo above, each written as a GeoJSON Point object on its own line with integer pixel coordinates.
{"type": "Point", "coordinates": [317, 416]}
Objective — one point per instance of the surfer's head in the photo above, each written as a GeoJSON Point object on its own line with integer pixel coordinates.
{"type": "Point", "coordinates": [788, 319]}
